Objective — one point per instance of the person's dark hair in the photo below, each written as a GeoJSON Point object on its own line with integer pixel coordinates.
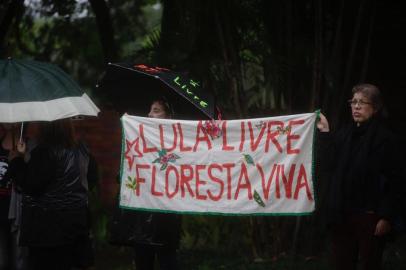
{"type": "Point", "coordinates": [165, 104]}
{"type": "Point", "coordinates": [58, 133]}
{"type": "Point", "coordinates": [372, 92]}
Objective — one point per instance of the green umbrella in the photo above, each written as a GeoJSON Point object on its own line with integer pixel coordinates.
{"type": "Point", "coordinates": [37, 91]}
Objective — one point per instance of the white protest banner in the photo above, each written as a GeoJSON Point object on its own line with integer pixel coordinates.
{"type": "Point", "coordinates": [260, 166]}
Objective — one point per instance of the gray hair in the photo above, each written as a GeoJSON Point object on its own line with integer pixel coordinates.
{"type": "Point", "coordinates": [372, 92]}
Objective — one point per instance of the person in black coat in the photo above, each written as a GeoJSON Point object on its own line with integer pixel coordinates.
{"type": "Point", "coordinates": [364, 185]}
{"type": "Point", "coordinates": [6, 243]}
{"type": "Point", "coordinates": [153, 235]}
{"type": "Point", "coordinates": [54, 218]}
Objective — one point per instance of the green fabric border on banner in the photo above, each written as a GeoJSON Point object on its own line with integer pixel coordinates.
{"type": "Point", "coordinates": [122, 158]}
{"type": "Point", "coordinates": [314, 156]}
{"type": "Point", "coordinates": [214, 213]}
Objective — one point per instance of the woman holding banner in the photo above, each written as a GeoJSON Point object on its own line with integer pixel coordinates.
{"type": "Point", "coordinates": [365, 181]}
{"type": "Point", "coordinates": [157, 234]}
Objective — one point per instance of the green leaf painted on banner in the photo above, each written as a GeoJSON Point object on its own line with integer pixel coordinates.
{"type": "Point", "coordinates": [258, 199]}
{"type": "Point", "coordinates": [249, 159]}
{"type": "Point", "coordinates": [172, 157]}
{"type": "Point", "coordinates": [156, 160]}
{"type": "Point", "coordinates": [131, 183]}
{"type": "Point", "coordinates": [162, 152]}
{"type": "Point", "coordinates": [163, 167]}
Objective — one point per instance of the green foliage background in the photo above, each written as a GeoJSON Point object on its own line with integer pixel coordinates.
{"type": "Point", "coordinates": [259, 57]}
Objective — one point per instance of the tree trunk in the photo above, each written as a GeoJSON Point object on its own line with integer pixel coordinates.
{"type": "Point", "coordinates": [364, 68]}
{"type": "Point", "coordinates": [354, 43]}
{"type": "Point", "coordinates": [227, 46]}
{"type": "Point", "coordinates": [318, 55]}
{"type": "Point", "coordinates": [5, 24]}
{"type": "Point", "coordinates": [350, 63]}
{"type": "Point", "coordinates": [296, 236]}
{"type": "Point", "coordinates": [105, 29]}
{"type": "Point", "coordinates": [170, 27]}
{"type": "Point", "coordinates": [289, 57]}
{"type": "Point", "coordinates": [334, 66]}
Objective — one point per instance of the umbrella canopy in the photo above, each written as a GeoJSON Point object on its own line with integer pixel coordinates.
{"type": "Point", "coordinates": [132, 87]}
{"type": "Point", "coordinates": [36, 91]}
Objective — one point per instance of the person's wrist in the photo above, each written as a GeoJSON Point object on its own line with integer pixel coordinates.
{"type": "Point", "coordinates": [323, 128]}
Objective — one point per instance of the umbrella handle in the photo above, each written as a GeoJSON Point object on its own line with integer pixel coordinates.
{"type": "Point", "coordinates": [21, 132]}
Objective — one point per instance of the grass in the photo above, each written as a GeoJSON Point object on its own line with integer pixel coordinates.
{"type": "Point", "coordinates": [120, 258]}
{"type": "Point", "coordinates": [116, 258]}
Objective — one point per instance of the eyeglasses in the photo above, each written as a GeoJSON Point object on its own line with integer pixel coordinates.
{"type": "Point", "coordinates": [360, 102]}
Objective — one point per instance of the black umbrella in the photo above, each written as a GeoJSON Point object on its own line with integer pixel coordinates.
{"type": "Point", "coordinates": [132, 87]}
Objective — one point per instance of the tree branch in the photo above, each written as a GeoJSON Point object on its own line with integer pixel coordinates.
{"type": "Point", "coordinates": [7, 21]}
{"type": "Point", "coordinates": [105, 29]}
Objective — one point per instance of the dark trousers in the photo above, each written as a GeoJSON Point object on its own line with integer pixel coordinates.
{"type": "Point", "coordinates": [5, 246]}
{"type": "Point", "coordinates": [12, 256]}
{"type": "Point", "coordinates": [145, 257]}
{"type": "Point", "coordinates": [47, 258]}
{"type": "Point", "coordinates": [354, 242]}
{"type": "Point", "coordinates": [20, 254]}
